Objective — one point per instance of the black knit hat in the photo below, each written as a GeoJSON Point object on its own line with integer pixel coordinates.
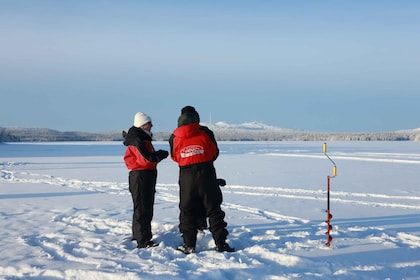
{"type": "Point", "coordinates": [187, 118]}
{"type": "Point", "coordinates": [190, 110]}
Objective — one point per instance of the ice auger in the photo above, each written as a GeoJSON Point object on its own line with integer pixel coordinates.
{"type": "Point", "coordinates": [329, 215]}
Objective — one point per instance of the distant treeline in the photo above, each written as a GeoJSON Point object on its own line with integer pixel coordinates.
{"type": "Point", "coordinates": [50, 135]}
{"type": "Point", "coordinates": [221, 134]}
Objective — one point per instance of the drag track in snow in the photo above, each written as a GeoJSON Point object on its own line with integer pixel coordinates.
{"type": "Point", "coordinates": [166, 190]}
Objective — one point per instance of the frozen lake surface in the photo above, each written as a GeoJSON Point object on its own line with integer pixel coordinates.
{"type": "Point", "coordinates": [65, 212]}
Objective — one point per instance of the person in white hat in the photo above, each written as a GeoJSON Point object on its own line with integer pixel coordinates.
{"type": "Point", "coordinates": [141, 159]}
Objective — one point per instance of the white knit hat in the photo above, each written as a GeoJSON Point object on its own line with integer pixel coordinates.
{"type": "Point", "coordinates": [141, 119]}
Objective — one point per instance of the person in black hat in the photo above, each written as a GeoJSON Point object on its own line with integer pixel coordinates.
{"type": "Point", "coordinates": [194, 148]}
{"type": "Point", "coordinates": [186, 112]}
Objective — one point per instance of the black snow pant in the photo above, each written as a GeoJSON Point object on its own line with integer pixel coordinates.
{"type": "Point", "coordinates": [198, 190]}
{"type": "Point", "coordinates": [142, 184]}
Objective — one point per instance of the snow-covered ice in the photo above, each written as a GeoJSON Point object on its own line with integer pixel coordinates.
{"type": "Point", "coordinates": [65, 213]}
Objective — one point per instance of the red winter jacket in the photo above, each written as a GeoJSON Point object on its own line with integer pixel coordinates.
{"type": "Point", "coordinates": [140, 154]}
{"type": "Point", "coordinates": [191, 145]}
{"type": "Point", "coordinates": [135, 161]}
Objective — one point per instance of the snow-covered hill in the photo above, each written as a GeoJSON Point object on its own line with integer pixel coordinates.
{"type": "Point", "coordinates": [245, 126]}
{"type": "Point", "coordinates": [257, 131]}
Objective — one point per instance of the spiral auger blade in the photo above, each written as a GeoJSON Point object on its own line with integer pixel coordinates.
{"type": "Point", "coordinates": [329, 229]}
{"type": "Point", "coordinates": [328, 211]}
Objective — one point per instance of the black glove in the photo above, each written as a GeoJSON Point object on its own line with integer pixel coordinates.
{"type": "Point", "coordinates": [221, 182]}
{"type": "Point", "coordinates": [162, 154]}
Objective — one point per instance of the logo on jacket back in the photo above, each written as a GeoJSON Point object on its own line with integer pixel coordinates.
{"type": "Point", "coordinates": [191, 151]}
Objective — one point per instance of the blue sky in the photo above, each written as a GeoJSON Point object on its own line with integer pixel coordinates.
{"type": "Point", "coordinates": [312, 65]}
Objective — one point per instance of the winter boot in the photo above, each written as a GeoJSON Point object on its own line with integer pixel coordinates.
{"type": "Point", "coordinates": [186, 249]}
{"type": "Point", "coordinates": [148, 244]}
{"type": "Point", "coordinates": [225, 248]}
